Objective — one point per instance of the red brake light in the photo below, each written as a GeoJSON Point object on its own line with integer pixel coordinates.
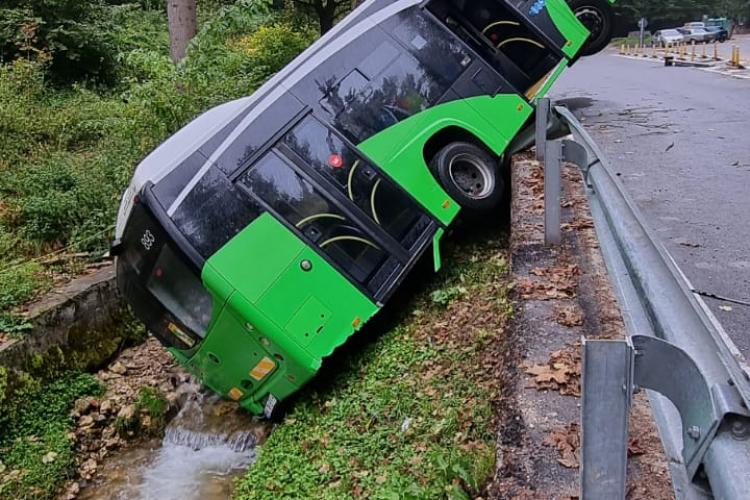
{"type": "Point", "coordinates": [336, 161]}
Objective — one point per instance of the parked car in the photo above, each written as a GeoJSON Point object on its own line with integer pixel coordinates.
{"type": "Point", "coordinates": [697, 35]}
{"type": "Point", "coordinates": [668, 37]}
{"type": "Point", "coordinates": [719, 33]}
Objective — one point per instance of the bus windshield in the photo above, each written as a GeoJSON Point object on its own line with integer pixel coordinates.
{"type": "Point", "coordinates": [163, 290]}
{"type": "Point", "coordinates": [180, 291]}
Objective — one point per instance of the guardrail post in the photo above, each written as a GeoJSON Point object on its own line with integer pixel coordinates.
{"type": "Point", "coordinates": [605, 402]}
{"type": "Point", "coordinates": [552, 160]}
{"type": "Point", "coordinates": [542, 120]}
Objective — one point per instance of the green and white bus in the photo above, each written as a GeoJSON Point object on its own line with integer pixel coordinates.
{"type": "Point", "coordinates": [266, 232]}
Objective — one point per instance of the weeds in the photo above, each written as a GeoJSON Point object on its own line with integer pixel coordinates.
{"type": "Point", "coordinates": [37, 454]}
{"type": "Point", "coordinates": [409, 415]}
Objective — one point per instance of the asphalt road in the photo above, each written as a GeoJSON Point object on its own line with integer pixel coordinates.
{"type": "Point", "coordinates": [680, 137]}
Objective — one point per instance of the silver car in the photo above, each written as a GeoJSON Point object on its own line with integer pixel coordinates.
{"type": "Point", "coordinates": [697, 35]}
{"type": "Point", "coordinates": [668, 37]}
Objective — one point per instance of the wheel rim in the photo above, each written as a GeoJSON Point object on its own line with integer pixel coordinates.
{"type": "Point", "coordinates": [592, 18]}
{"type": "Point", "coordinates": [472, 176]}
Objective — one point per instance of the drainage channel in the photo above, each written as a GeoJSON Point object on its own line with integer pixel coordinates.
{"type": "Point", "coordinates": [205, 447]}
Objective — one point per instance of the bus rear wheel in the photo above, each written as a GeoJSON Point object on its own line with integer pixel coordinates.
{"type": "Point", "coordinates": [469, 174]}
{"type": "Point", "coordinates": [597, 17]}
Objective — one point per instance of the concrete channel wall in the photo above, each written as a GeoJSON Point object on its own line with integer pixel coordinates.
{"type": "Point", "coordinates": [77, 326]}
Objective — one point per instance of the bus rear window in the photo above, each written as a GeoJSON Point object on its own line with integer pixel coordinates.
{"type": "Point", "coordinates": [181, 292]}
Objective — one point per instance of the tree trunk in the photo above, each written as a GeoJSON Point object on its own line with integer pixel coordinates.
{"type": "Point", "coordinates": [326, 15]}
{"type": "Point", "coordinates": [183, 25]}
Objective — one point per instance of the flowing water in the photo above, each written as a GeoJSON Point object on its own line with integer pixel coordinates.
{"type": "Point", "coordinates": [205, 447]}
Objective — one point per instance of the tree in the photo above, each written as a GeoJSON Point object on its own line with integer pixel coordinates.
{"type": "Point", "coordinates": [327, 11]}
{"type": "Point", "coordinates": [183, 26]}
{"type": "Point", "coordinates": [74, 36]}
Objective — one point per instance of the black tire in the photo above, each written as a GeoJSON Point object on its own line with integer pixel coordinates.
{"type": "Point", "coordinates": [469, 174]}
{"type": "Point", "coordinates": [598, 18]}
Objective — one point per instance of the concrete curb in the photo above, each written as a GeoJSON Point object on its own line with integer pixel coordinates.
{"type": "Point", "coordinates": [548, 280]}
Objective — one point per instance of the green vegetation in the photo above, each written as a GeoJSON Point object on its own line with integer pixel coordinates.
{"type": "Point", "coordinates": [149, 415]}
{"type": "Point", "coordinates": [36, 454]}
{"type": "Point", "coordinates": [681, 11]}
{"type": "Point", "coordinates": [67, 150]}
{"type": "Point", "coordinates": [410, 414]}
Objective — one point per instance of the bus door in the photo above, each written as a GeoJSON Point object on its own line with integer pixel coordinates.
{"type": "Point", "coordinates": [340, 204]}
{"type": "Point", "coordinates": [502, 36]}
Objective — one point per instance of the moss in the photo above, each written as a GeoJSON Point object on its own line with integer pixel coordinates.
{"type": "Point", "coordinates": [149, 415]}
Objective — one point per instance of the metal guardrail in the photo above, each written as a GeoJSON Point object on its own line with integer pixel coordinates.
{"type": "Point", "coordinates": [698, 382]}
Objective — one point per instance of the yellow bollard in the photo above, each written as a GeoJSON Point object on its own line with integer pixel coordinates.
{"type": "Point", "coordinates": [692, 53]}
{"type": "Point", "coordinates": [716, 51]}
{"type": "Point", "coordinates": [654, 52]}
{"type": "Point", "coordinates": [704, 56]}
{"type": "Point", "coordinates": [622, 49]}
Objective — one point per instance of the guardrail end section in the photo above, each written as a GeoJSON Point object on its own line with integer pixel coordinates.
{"type": "Point", "coordinates": [606, 398]}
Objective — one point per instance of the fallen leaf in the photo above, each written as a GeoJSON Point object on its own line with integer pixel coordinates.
{"type": "Point", "coordinates": [687, 243]}
{"type": "Point", "coordinates": [568, 316]}
{"type": "Point", "coordinates": [567, 441]}
{"type": "Point", "coordinates": [725, 308]}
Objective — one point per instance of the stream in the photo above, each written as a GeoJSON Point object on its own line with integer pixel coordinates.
{"type": "Point", "coordinates": [206, 446]}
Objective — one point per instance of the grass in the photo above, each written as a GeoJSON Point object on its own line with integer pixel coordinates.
{"type": "Point", "coordinates": [36, 454]}
{"type": "Point", "coordinates": [409, 415]}
{"type": "Point", "coordinates": [631, 41]}
{"type": "Point", "coordinates": [67, 153]}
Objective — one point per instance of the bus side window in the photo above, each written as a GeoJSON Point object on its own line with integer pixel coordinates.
{"type": "Point", "coordinates": [441, 54]}
{"type": "Point", "coordinates": [298, 202]}
{"type": "Point", "coordinates": [497, 33]}
{"type": "Point", "coordinates": [375, 195]}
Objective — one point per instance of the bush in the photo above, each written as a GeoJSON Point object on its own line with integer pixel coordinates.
{"type": "Point", "coordinates": [19, 283]}
{"type": "Point", "coordinates": [75, 35]}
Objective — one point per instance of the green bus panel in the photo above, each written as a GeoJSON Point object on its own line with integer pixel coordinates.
{"type": "Point", "coordinates": [569, 26]}
{"type": "Point", "coordinates": [274, 309]}
{"type": "Point", "coordinates": [399, 150]}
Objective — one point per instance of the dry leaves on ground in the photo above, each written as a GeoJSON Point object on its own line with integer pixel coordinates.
{"type": "Point", "coordinates": [568, 315]}
{"type": "Point", "coordinates": [558, 282]}
{"type": "Point", "coordinates": [562, 372]}
{"type": "Point", "coordinates": [578, 224]}
{"type": "Point", "coordinates": [567, 441]}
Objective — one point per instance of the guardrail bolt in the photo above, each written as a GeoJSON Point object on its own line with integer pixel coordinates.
{"type": "Point", "coordinates": [740, 430]}
{"type": "Point", "coordinates": [694, 432]}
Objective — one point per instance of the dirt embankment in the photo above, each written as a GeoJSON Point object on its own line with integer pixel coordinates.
{"type": "Point", "coordinates": [561, 294]}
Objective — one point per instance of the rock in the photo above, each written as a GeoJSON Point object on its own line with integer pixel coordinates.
{"type": "Point", "coordinates": [82, 405]}
{"type": "Point", "coordinates": [146, 421]}
{"type": "Point", "coordinates": [71, 491]}
{"type": "Point", "coordinates": [106, 406]}
{"type": "Point", "coordinates": [89, 466]}
{"type": "Point", "coordinates": [224, 407]}
{"type": "Point", "coordinates": [118, 368]}
{"type": "Point", "coordinates": [86, 421]}
{"type": "Point", "coordinates": [126, 412]}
